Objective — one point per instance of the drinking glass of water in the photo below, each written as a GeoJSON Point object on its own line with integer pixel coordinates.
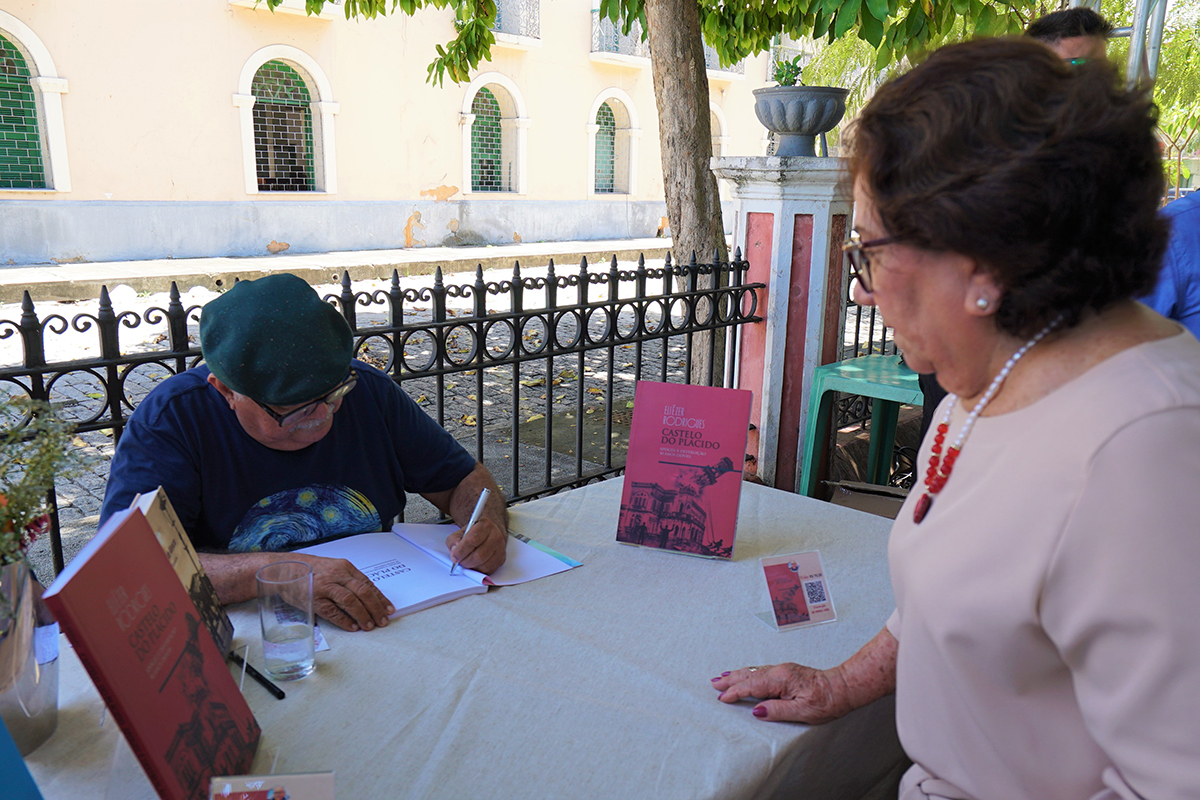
{"type": "Point", "coordinates": [285, 608]}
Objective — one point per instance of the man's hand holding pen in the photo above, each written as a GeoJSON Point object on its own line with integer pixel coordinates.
{"type": "Point", "coordinates": [482, 543]}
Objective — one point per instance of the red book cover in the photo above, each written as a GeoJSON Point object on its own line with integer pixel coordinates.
{"type": "Point", "coordinates": [683, 476]}
{"type": "Point", "coordinates": [138, 634]}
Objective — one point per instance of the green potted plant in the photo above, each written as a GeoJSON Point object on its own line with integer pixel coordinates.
{"type": "Point", "coordinates": [32, 451]}
{"type": "Point", "coordinates": [796, 113]}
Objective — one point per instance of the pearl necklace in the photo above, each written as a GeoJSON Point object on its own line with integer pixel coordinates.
{"type": "Point", "coordinates": [938, 473]}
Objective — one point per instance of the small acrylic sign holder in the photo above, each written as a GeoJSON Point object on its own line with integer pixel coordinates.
{"type": "Point", "coordinates": [797, 591]}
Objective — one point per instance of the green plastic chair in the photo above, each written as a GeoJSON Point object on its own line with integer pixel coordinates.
{"type": "Point", "coordinates": [882, 378]}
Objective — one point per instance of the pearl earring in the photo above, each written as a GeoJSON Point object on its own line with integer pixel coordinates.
{"type": "Point", "coordinates": [982, 304]}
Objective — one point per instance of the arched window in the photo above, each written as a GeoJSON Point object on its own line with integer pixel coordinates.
{"type": "Point", "coordinates": [20, 142]}
{"type": "Point", "coordinates": [490, 171]}
{"type": "Point", "coordinates": [33, 142]}
{"type": "Point", "coordinates": [287, 112]}
{"type": "Point", "coordinates": [613, 135]}
{"type": "Point", "coordinates": [283, 130]}
{"type": "Point", "coordinates": [494, 125]}
{"type": "Point", "coordinates": [606, 149]}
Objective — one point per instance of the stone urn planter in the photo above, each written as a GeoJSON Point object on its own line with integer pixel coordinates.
{"type": "Point", "coordinates": [798, 114]}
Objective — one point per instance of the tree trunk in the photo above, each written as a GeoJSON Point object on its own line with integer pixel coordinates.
{"type": "Point", "coordinates": [685, 139]}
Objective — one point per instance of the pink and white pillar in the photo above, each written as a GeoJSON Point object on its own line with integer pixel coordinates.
{"type": "Point", "coordinates": [792, 217]}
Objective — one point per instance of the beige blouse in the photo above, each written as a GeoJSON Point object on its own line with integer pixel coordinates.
{"type": "Point", "coordinates": [1048, 607]}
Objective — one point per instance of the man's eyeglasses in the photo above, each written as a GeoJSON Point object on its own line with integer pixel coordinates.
{"type": "Point", "coordinates": [1078, 62]}
{"type": "Point", "coordinates": [860, 263]}
{"type": "Point", "coordinates": [330, 397]}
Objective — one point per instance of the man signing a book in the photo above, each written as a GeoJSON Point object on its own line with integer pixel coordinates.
{"type": "Point", "coordinates": [282, 439]}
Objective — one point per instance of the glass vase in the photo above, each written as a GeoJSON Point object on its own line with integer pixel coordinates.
{"type": "Point", "coordinates": [28, 659]}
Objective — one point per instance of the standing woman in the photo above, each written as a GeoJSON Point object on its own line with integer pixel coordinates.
{"type": "Point", "coordinates": [1046, 641]}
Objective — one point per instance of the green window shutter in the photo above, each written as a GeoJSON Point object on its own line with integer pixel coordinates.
{"type": "Point", "coordinates": [21, 164]}
{"type": "Point", "coordinates": [487, 145]}
{"type": "Point", "coordinates": [606, 150]}
{"type": "Point", "coordinates": [283, 130]}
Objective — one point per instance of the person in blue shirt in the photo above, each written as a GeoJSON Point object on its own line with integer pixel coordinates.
{"type": "Point", "coordinates": [282, 439]}
{"type": "Point", "coordinates": [1177, 295]}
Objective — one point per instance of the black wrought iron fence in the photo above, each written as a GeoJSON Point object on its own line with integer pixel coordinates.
{"type": "Point", "coordinates": [864, 334]}
{"type": "Point", "coordinates": [869, 335]}
{"type": "Point", "coordinates": [544, 383]}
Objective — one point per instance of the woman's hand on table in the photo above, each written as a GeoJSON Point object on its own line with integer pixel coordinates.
{"type": "Point", "coordinates": [792, 693]}
{"type": "Point", "coordinates": [789, 693]}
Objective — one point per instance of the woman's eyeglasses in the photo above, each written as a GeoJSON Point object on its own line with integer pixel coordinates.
{"type": "Point", "coordinates": [860, 263]}
{"type": "Point", "coordinates": [330, 397]}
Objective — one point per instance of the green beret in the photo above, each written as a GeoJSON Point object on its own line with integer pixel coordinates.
{"type": "Point", "coordinates": [275, 341]}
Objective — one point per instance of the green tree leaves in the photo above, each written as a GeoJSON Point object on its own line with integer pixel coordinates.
{"type": "Point", "coordinates": [897, 29]}
{"type": "Point", "coordinates": [458, 58]}
{"type": "Point", "coordinates": [847, 16]}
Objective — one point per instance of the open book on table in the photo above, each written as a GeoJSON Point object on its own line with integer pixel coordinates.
{"type": "Point", "coordinates": [411, 564]}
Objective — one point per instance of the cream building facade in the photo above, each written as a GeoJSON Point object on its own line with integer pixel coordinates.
{"type": "Point", "coordinates": [147, 128]}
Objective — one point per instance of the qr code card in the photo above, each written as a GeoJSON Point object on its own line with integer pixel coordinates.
{"type": "Point", "coordinates": [798, 589]}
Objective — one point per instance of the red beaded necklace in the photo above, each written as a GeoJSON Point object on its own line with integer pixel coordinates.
{"type": "Point", "coordinates": [940, 467]}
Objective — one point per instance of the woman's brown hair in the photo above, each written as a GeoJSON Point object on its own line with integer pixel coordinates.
{"type": "Point", "coordinates": [1047, 174]}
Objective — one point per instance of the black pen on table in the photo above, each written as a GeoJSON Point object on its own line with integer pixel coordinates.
{"type": "Point", "coordinates": [258, 676]}
{"type": "Point", "coordinates": [483, 496]}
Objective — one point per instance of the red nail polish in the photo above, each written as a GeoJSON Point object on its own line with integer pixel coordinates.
{"type": "Point", "coordinates": [714, 680]}
{"type": "Point", "coordinates": [759, 712]}
{"type": "Point", "coordinates": [724, 674]}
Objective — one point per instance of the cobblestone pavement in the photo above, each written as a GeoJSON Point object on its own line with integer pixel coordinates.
{"type": "Point", "coordinates": [476, 406]}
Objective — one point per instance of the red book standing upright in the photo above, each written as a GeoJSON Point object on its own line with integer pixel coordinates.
{"type": "Point", "coordinates": [683, 476]}
{"type": "Point", "coordinates": [139, 636]}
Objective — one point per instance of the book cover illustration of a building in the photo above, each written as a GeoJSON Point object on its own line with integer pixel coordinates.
{"type": "Point", "coordinates": [683, 476]}
{"type": "Point", "coordinates": [678, 517]}
{"type": "Point", "coordinates": [212, 741]}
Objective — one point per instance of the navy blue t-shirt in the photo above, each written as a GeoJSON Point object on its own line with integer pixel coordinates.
{"type": "Point", "coordinates": [232, 493]}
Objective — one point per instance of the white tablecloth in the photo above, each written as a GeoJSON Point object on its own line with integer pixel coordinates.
{"type": "Point", "coordinates": [592, 684]}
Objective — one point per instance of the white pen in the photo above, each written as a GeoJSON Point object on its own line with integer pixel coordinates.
{"type": "Point", "coordinates": [483, 496]}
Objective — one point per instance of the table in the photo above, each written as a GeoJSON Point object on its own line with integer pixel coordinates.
{"type": "Point", "coordinates": [589, 684]}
